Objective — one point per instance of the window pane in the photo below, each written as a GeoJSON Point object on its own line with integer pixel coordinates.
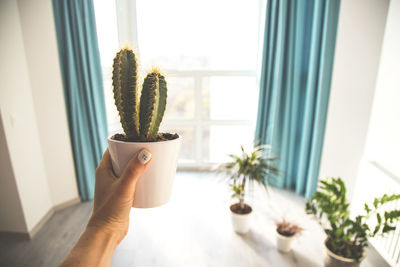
{"type": "Point", "coordinates": [230, 98]}
{"type": "Point", "coordinates": [107, 35]}
{"type": "Point", "coordinates": [194, 34]}
{"type": "Point", "coordinates": [114, 125]}
{"type": "Point", "coordinates": [180, 103]}
{"type": "Point", "coordinates": [219, 141]}
{"type": "Point", "coordinates": [187, 152]}
{"type": "Point", "coordinates": [107, 32]}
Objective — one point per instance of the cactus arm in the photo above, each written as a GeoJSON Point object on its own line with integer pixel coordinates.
{"type": "Point", "coordinates": [152, 104]}
{"type": "Point", "coordinates": [125, 91]}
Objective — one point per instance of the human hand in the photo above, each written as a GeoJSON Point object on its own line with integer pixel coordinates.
{"type": "Point", "coordinates": [109, 222]}
{"type": "Point", "coordinates": [113, 196]}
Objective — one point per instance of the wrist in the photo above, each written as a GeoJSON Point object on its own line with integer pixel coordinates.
{"type": "Point", "coordinates": [102, 236]}
{"type": "Point", "coordinates": [115, 231]}
{"type": "Point", "coordinates": [95, 247]}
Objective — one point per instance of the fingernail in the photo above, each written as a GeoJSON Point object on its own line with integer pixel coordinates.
{"type": "Point", "coordinates": [144, 156]}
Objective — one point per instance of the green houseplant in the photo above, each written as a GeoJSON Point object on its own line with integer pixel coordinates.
{"type": "Point", "coordinates": [243, 170]}
{"type": "Point", "coordinates": [140, 120]}
{"type": "Point", "coordinates": [347, 237]}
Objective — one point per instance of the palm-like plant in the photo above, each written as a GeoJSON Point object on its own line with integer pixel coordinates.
{"type": "Point", "coordinates": [247, 168]}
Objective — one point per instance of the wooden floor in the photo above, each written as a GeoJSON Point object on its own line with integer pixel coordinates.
{"type": "Point", "coordinates": [194, 229]}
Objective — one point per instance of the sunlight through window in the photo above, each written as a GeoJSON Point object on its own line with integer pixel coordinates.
{"type": "Point", "coordinates": [208, 50]}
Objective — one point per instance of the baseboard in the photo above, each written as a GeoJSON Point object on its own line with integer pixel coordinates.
{"type": "Point", "coordinates": [29, 235]}
{"type": "Point", "coordinates": [67, 204]}
{"type": "Point", "coordinates": [40, 224]}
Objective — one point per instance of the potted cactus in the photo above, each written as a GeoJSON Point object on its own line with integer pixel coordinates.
{"type": "Point", "coordinates": [286, 231]}
{"type": "Point", "coordinates": [244, 169]}
{"type": "Point", "coordinates": [347, 237]}
{"type": "Point", "coordinates": [140, 121]}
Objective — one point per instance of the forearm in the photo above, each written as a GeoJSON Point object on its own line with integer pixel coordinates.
{"type": "Point", "coordinates": [109, 222]}
{"type": "Point", "coordinates": [94, 248]}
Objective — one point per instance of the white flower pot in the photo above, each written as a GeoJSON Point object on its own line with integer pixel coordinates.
{"type": "Point", "coordinates": [154, 188]}
{"type": "Point", "coordinates": [284, 243]}
{"type": "Point", "coordinates": [241, 222]}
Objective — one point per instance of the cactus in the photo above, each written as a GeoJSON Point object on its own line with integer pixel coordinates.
{"type": "Point", "coordinates": [140, 121]}
{"type": "Point", "coordinates": [125, 91]}
{"type": "Point", "coordinates": [152, 104]}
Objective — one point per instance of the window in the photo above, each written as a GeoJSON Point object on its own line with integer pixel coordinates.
{"type": "Point", "coordinates": [209, 52]}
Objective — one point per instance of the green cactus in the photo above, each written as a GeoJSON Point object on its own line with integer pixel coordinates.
{"type": "Point", "coordinates": [125, 91]}
{"type": "Point", "coordinates": [138, 124]}
{"type": "Point", "coordinates": [152, 104]}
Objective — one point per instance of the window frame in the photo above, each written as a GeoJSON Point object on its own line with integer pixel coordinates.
{"type": "Point", "coordinates": [128, 33]}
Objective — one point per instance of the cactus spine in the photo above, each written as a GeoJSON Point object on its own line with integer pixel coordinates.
{"type": "Point", "coordinates": [138, 124]}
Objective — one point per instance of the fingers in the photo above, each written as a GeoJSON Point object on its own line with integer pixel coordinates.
{"type": "Point", "coordinates": [105, 164]}
{"type": "Point", "coordinates": [106, 159]}
{"type": "Point", "coordinates": [134, 169]}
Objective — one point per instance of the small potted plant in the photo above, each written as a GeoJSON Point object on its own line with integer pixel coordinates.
{"type": "Point", "coordinates": [286, 231]}
{"type": "Point", "coordinates": [347, 237]}
{"type": "Point", "coordinates": [245, 169]}
{"type": "Point", "coordinates": [140, 121]}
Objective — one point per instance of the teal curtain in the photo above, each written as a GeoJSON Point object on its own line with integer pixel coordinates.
{"type": "Point", "coordinates": [298, 53]}
{"type": "Point", "coordinates": [83, 87]}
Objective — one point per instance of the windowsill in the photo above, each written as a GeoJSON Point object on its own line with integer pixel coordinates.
{"type": "Point", "coordinates": [205, 167]}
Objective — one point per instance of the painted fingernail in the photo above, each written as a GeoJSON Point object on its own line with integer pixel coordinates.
{"type": "Point", "coordinates": [144, 156]}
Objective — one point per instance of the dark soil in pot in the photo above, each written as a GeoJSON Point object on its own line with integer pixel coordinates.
{"type": "Point", "coordinates": [236, 208]}
{"type": "Point", "coordinates": [333, 259]}
{"type": "Point", "coordinates": [160, 137]}
{"type": "Point", "coordinates": [285, 233]}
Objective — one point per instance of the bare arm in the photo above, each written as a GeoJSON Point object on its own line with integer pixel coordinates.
{"type": "Point", "coordinates": [109, 222]}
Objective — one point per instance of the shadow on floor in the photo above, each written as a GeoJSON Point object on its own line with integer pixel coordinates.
{"type": "Point", "coordinates": [267, 250]}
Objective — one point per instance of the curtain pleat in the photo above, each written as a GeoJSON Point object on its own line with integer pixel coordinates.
{"type": "Point", "coordinates": [297, 64]}
{"type": "Point", "coordinates": [83, 87]}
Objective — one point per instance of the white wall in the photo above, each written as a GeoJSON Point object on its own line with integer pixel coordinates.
{"type": "Point", "coordinates": [39, 173]}
{"type": "Point", "coordinates": [19, 120]}
{"type": "Point", "coordinates": [11, 214]}
{"type": "Point", "coordinates": [358, 49]}
{"type": "Point", "coordinates": [379, 172]}
{"type": "Point", "coordinates": [380, 162]}
{"type": "Point", "coordinates": [383, 143]}
{"type": "Point", "coordinates": [47, 91]}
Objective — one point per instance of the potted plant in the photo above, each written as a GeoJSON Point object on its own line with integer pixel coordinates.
{"type": "Point", "coordinates": [347, 237]}
{"type": "Point", "coordinates": [286, 231]}
{"type": "Point", "coordinates": [245, 169]}
{"type": "Point", "coordinates": [140, 121]}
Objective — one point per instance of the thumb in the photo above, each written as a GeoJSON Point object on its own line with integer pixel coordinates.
{"type": "Point", "coordinates": [134, 169]}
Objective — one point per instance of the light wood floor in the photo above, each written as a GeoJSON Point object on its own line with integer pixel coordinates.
{"type": "Point", "coordinates": [194, 229]}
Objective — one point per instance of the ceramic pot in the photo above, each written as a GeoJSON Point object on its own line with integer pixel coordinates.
{"type": "Point", "coordinates": [241, 222]}
{"type": "Point", "coordinates": [334, 260]}
{"type": "Point", "coordinates": [284, 243]}
{"type": "Point", "coordinates": [154, 188]}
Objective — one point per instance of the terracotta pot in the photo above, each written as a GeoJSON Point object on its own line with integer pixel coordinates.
{"type": "Point", "coordinates": [334, 260]}
{"type": "Point", "coordinates": [154, 187]}
{"type": "Point", "coordinates": [241, 222]}
{"type": "Point", "coordinates": [284, 243]}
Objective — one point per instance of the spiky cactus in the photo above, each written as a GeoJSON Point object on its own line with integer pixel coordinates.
{"type": "Point", "coordinates": [125, 91]}
{"type": "Point", "coordinates": [152, 104]}
{"type": "Point", "coordinates": [139, 121]}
